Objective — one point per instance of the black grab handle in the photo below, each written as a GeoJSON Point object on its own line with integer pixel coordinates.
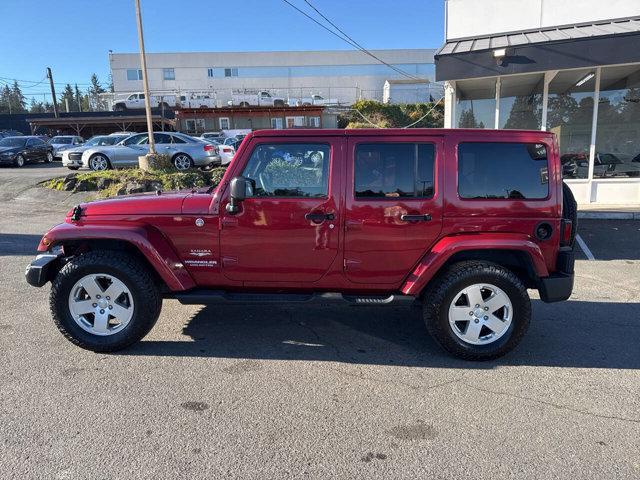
{"type": "Point", "coordinates": [416, 218]}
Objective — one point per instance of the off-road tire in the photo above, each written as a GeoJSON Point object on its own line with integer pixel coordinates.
{"type": "Point", "coordinates": [441, 291]}
{"type": "Point", "coordinates": [128, 269]}
{"type": "Point", "coordinates": [570, 209]}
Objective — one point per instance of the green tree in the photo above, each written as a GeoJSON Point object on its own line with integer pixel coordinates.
{"type": "Point", "coordinates": [95, 89]}
{"type": "Point", "coordinates": [5, 100]}
{"type": "Point", "coordinates": [36, 106]}
{"type": "Point", "coordinates": [68, 97]}
{"type": "Point", "coordinates": [468, 120]}
{"type": "Point", "coordinates": [18, 101]}
{"type": "Point", "coordinates": [526, 112]}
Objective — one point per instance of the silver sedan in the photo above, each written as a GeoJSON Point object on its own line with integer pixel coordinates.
{"type": "Point", "coordinates": [184, 151]}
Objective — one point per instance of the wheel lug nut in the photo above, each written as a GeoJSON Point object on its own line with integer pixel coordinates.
{"type": "Point", "coordinates": [98, 296]}
{"type": "Point", "coordinates": [109, 298]}
{"type": "Point", "coordinates": [95, 305]}
{"type": "Point", "coordinates": [101, 311]}
{"type": "Point", "coordinates": [110, 307]}
{"type": "Point", "coordinates": [470, 313]}
{"type": "Point", "coordinates": [485, 308]}
{"type": "Point", "coordinates": [476, 321]}
{"type": "Point", "coordinates": [486, 318]}
{"type": "Point", "coordinates": [476, 304]}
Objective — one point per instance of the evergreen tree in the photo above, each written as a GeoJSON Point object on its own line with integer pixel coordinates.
{"type": "Point", "coordinates": [68, 97]}
{"type": "Point", "coordinates": [17, 99]}
{"type": "Point", "coordinates": [36, 107]}
{"type": "Point", "coordinates": [78, 98]}
{"type": "Point", "coordinates": [526, 112]}
{"type": "Point", "coordinates": [468, 120]}
{"type": "Point", "coordinates": [5, 100]}
{"type": "Point", "coordinates": [95, 89]}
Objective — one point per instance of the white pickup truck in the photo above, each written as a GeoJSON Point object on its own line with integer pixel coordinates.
{"type": "Point", "coordinates": [197, 101]}
{"type": "Point", "coordinates": [260, 98]}
{"type": "Point", "coordinates": [312, 100]}
{"type": "Point", "coordinates": [136, 101]}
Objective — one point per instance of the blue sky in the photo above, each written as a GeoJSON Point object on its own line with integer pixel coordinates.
{"type": "Point", "coordinates": [73, 37]}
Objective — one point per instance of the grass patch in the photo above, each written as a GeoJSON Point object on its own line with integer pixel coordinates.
{"type": "Point", "coordinates": [110, 183]}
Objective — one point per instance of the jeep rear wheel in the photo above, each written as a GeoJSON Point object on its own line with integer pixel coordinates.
{"type": "Point", "coordinates": [104, 300]}
{"type": "Point", "coordinates": [477, 310]}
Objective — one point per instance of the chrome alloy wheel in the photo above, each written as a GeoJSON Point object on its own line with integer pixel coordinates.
{"type": "Point", "coordinates": [182, 162]}
{"type": "Point", "coordinates": [49, 157]}
{"type": "Point", "coordinates": [101, 304]}
{"type": "Point", "coordinates": [98, 163]}
{"type": "Point", "coordinates": [480, 314]}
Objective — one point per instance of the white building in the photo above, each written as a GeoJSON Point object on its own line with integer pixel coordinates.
{"type": "Point", "coordinates": [345, 75]}
{"type": "Point", "coordinates": [570, 66]}
{"type": "Point", "coordinates": [411, 91]}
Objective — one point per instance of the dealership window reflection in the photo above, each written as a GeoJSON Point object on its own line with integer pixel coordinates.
{"type": "Point", "coordinates": [521, 102]}
{"type": "Point", "coordinates": [476, 103]}
{"type": "Point", "coordinates": [618, 125]}
{"type": "Point", "coordinates": [570, 117]}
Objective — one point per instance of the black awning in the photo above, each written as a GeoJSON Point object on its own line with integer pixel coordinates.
{"type": "Point", "coordinates": [587, 45]}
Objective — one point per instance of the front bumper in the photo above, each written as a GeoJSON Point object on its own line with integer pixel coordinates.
{"type": "Point", "coordinates": [42, 269]}
{"type": "Point", "coordinates": [559, 285]}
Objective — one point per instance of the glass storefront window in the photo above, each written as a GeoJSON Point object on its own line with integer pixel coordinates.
{"type": "Point", "coordinates": [570, 116]}
{"type": "Point", "coordinates": [618, 125]}
{"type": "Point", "coordinates": [521, 102]}
{"type": "Point", "coordinates": [476, 103]}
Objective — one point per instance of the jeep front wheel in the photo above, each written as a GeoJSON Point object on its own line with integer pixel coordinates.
{"type": "Point", "coordinates": [477, 310]}
{"type": "Point", "coordinates": [104, 300]}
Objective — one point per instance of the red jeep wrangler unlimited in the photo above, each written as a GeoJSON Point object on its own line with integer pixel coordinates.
{"type": "Point", "coordinates": [462, 222]}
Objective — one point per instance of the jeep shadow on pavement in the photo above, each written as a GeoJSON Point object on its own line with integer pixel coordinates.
{"type": "Point", "coordinates": [458, 222]}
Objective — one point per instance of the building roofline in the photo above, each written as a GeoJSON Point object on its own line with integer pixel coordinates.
{"type": "Point", "coordinates": [539, 29]}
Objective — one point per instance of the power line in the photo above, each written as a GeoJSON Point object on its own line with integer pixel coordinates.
{"type": "Point", "coordinates": [350, 42]}
{"type": "Point", "coordinates": [41, 81]}
{"type": "Point", "coordinates": [358, 45]}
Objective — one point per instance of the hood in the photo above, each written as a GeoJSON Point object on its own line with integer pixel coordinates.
{"type": "Point", "coordinates": [143, 204]}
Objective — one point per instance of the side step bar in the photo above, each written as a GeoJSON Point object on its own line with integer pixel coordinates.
{"type": "Point", "coordinates": [208, 297]}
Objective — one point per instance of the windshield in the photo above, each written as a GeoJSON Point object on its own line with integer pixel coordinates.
{"type": "Point", "coordinates": [12, 142]}
{"type": "Point", "coordinates": [60, 140]}
{"type": "Point", "coordinates": [104, 140]}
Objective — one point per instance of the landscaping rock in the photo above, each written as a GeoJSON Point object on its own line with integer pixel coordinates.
{"type": "Point", "coordinates": [134, 187]}
{"type": "Point", "coordinates": [103, 183]}
{"type": "Point", "coordinates": [85, 185]}
{"type": "Point", "coordinates": [69, 182]}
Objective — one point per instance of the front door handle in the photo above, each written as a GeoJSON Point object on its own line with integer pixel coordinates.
{"type": "Point", "coordinates": [416, 218]}
{"type": "Point", "coordinates": [317, 217]}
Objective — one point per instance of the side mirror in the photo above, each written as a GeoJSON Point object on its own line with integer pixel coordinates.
{"type": "Point", "coordinates": [239, 188]}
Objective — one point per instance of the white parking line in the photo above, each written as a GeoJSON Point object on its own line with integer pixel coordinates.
{"type": "Point", "coordinates": [584, 248]}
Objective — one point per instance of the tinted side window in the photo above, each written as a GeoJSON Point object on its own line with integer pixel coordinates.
{"type": "Point", "coordinates": [503, 170]}
{"type": "Point", "coordinates": [161, 138]}
{"type": "Point", "coordinates": [289, 170]}
{"type": "Point", "coordinates": [392, 170]}
{"type": "Point", "coordinates": [35, 141]}
{"type": "Point", "coordinates": [136, 139]}
{"type": "Point", "coordinates": [177, 139]}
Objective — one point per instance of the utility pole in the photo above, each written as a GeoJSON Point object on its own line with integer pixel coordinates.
{"type": "Point", "coordinates": [145, 81]}
{"type": "Point", "coordinates": [53, 93]}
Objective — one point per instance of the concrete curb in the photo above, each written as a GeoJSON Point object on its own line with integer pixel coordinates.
{"type": "Point", "coordinates": [605, 215]}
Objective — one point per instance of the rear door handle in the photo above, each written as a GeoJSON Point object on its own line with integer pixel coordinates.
{"type": "Point", "coordinates": [317, 217]}
{"type": "Point", "coordinates": [416, 218]}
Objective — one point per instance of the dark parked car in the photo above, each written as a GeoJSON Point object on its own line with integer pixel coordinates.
{"type": "Point", "coordinates": [10, 133]}
{"type": "Point", "coordinates": [20, 150]}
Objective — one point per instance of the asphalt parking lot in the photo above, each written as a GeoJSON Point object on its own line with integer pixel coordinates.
{"type": "Point", "coordinates": [322, 392]}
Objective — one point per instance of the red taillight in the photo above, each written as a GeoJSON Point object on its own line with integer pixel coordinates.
{"type": "Point", "coordinates": [227, 150]}
{"type": "Point", "coordinates": [567, 226]}
{"type": "Point", "coordinates": [209, 148]}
